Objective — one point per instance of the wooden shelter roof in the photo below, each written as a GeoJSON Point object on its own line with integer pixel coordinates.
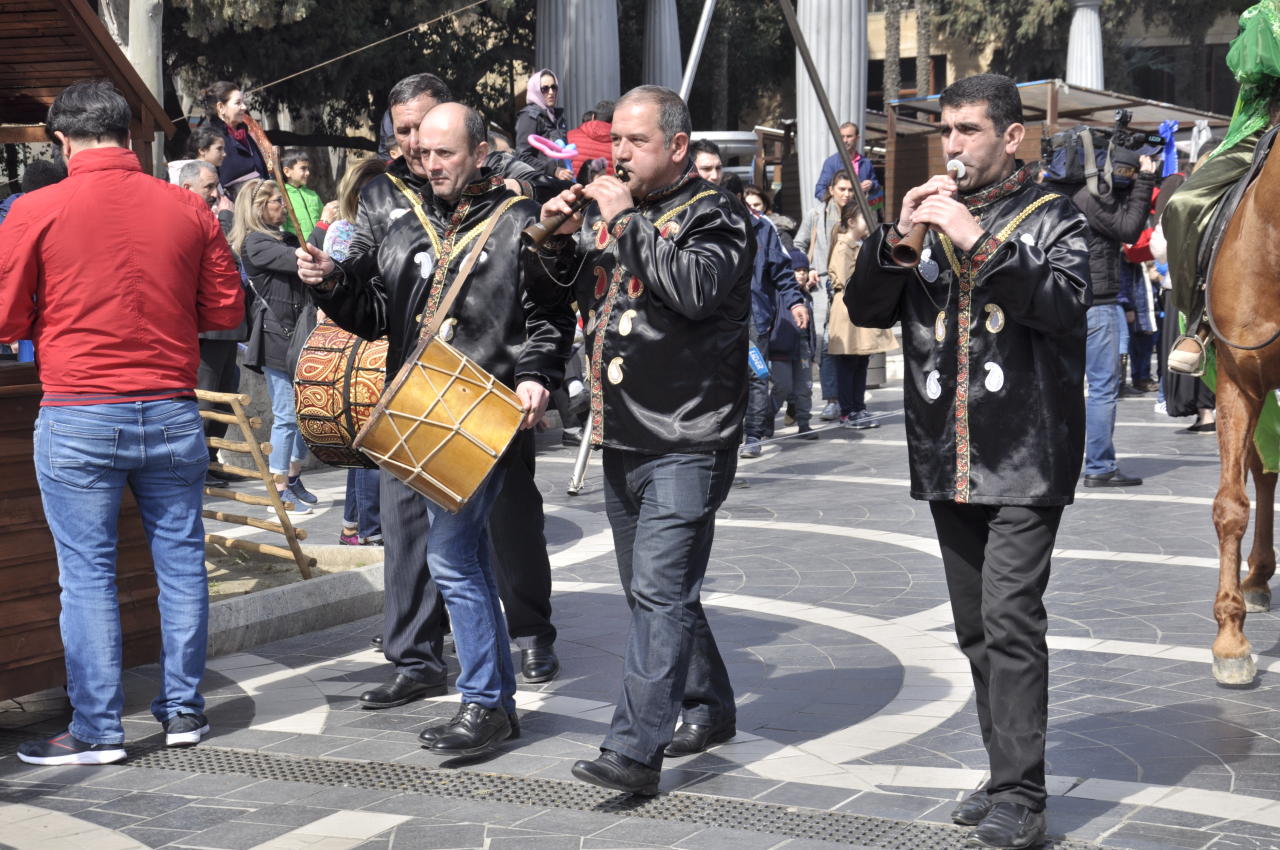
{"type": "Point", "coordinates": [45, 45]}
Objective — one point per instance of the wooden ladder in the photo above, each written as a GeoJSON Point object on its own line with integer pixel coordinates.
{"type": "Point", "coordinates": [257, 451]}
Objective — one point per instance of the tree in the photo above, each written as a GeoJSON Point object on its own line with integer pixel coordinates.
{"type": "Point", "coordinates": [1031, 35]}
{"type": "Point", "coordinates": [892, 49]}
{"type": "Point", "coordinates": [924, 41]}
{"type": "Point", "coordinates": [256, 42]}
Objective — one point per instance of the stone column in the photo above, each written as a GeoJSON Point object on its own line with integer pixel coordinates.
{"type": "Point", "coordinates": [836, 32]}
{"type": "Point", "coordinates": [1084, 46]}
{"type": "Point", "coordinates": [662, 65]}
{"type": "Point", "coordinates": [578, 40]}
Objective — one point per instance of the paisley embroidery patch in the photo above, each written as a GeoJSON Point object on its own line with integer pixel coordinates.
{"type": "Point", "coordinates": [602, 282]}
{"type": "Point", "coordinates": [634, 287]}
{"type": "Point", "coordinates": [995, 377]}
{"type": "Point", "coordinates": [995, 318]}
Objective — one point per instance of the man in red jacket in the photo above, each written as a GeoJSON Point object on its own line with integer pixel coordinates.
{"type": "Point", "coordinates": [592, 137]}
{"type": "Point", "coordinates": [113, 273]}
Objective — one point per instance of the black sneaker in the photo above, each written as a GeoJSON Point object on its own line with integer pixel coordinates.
{"type": "Point", "coordinates": [65, 749]}
{"type": "Point", "coordinates": [183, 730]}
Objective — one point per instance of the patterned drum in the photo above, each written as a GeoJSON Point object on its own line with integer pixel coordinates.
{"type": "Point", "coordinates": [336, 387]}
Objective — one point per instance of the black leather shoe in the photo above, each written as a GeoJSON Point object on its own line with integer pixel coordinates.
{"type": "Point", "coordinates": [400, 690]}
{"type": "Point", "coordinates": [1114, 478]}
{"type": "Point", "coordinates": [1009, 826]}
{"type": "Point", "coordinates": [972, 809]}
{"type": "Point", "coordinates": [619, 773]}
{"type": "Point", "coordinates": [693, 738]}
{"type": "Point", "coordinates": [429, 735]}
{"type": "Point", "coordinates": [539, 664]}
{"type": "Point", "coordinates": [473, 730]}
{"type": "Point", "coordinates": [806, 433]}
{"type": "Point", "coordinates": [376, 641]}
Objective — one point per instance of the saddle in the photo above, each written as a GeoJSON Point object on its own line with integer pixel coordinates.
{"type": "Point", "coordinates": [1207, 256]}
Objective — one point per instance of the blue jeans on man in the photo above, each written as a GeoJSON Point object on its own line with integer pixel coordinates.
{"type": "Point", "coordinates": [458, 558]}
{"type": "Point", "coordinates": [85, 456]}
{"type": "Point", "coordinates": [662, 509]}
{"type": "Point", "coordinates": [1103, 376]}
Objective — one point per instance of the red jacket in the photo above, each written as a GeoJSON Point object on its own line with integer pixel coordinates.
{"type": "Point", "coordinates": [592, 139]}
{"type": "Point", "coordinates": [112, 273]}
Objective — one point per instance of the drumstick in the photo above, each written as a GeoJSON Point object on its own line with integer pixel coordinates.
{"type": "Point", "coordinates": [273, 163]}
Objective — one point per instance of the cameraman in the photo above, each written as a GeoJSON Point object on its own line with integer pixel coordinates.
{"type": "Point", "coordinates": [1116, 217]}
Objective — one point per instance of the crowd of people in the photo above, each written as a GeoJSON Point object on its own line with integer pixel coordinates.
{"type": "Point", "coordinates": [689, 313]}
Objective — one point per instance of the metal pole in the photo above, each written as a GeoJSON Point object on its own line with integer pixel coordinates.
{"type": "Point", "coordinates": [579, 477]}
{"type": "Point", "coordinates": [789, 13]}
{"type": "Point", "coordinates": [695, 52]}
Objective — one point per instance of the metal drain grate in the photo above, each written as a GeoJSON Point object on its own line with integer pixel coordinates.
{"type": "Point", "coordinates": [788, 821]}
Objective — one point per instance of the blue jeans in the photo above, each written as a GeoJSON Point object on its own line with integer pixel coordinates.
{"type": "Point", "coordinates": [662, 509]}
{"type": "Point", "coordinates": [85, 456]}
{"type": "Point", "coordinates": [1102, 374]}
{"type": "Point", "coordinates": [458, 558]}
{"type": "Point", "coordinates": [757, 422]}
{"type": "Point", "coordinates": [286, 440]}
{"type": "Point", "coordinates": [360, 506]}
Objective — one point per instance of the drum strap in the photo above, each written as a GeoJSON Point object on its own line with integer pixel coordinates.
{"type": "Point", "coordinates": [415, 201]}
{"type": "Point", "coordinates": [451, 294]}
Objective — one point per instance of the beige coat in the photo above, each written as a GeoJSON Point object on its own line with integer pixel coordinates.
{"type": "Point", "coordinates": [844, 337]}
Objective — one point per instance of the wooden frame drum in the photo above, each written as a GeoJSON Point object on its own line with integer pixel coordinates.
{"type": "Point", "coordinates": [442, 425]}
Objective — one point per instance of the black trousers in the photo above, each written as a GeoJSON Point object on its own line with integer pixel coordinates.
{"type": "Point", "coordinates": [996, 559]}
{"type": "Point", "coordinates": [218, 372]}
{"type": "Point", "coordinates": [413, 612]}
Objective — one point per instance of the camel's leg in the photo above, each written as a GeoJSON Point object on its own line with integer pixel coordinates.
{"type": "Point", "coordinates": [1232, 655]}
{"type": "Point", "coordinates": [1262, 558]}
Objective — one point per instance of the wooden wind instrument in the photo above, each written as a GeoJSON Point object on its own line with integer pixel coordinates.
{"type": "Point", "coordinates": [907, 252]}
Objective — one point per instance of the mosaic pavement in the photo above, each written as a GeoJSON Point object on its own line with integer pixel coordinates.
{"type": "Point", "coordinates": [855, 709]}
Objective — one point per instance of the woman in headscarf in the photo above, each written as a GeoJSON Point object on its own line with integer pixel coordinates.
{"type": "Point", "coordinates": [541, 117]}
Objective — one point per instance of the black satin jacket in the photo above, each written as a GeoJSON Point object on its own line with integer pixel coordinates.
{"type": "Point", "coordinates": [514, 325]}
{"type": "Point", "coordinates": [994, 356]}
{"type": "Point", "coordinates": [382, 202]}
{"type": "Point", "coordinates": [665, 289]}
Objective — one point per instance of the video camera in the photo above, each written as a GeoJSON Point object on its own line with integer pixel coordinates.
{"type": "Point", "coordinates": [1115, 153]}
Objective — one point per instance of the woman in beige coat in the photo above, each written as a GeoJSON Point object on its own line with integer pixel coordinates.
{"type": "Point", "coordinates": [850, 346]}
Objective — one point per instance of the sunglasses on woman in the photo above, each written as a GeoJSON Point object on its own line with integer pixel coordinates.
{"type": "Point", "coordinates": [549, 89]}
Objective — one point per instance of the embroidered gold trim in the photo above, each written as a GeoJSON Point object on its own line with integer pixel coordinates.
{"type": "Point", "coordinates": [967, 272]}
{"type": "Point", "coordinates": [416, 203]}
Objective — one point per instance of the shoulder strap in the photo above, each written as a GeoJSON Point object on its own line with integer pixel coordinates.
{"type": "Point", "coordinates": [451, 294]}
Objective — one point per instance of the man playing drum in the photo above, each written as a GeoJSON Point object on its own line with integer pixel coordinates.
{"type": "Point", "coordinates": [520, 333]}
{"type": "Point", "coordinates": [662, 269]}
{"type": "Point", "coordinates": [414, 623]}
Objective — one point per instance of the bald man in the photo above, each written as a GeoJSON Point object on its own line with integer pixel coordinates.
{"type": "Point", "coordinates": [523, 341]}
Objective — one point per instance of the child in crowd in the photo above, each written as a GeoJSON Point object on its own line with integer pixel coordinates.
{"type": "Point", "coordinates": [305, 202]}
{"type": "Point", "coordinates": [790, 358]}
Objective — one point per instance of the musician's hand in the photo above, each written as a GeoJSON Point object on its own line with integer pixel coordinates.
{"type": "Point", "coordinates": [533, 399]}
{"type": "Point", "coordinates": [564, 174]}
{"type": "Point", "coordinates": [313, 264]}
{"type": "Point", "coordinates": [939, 184]}
{"type": "Point", "coordinates": [949, 216]}
{"type": "Point", "coordinates": [561, 205]}
{"type": "Point", "coordinates": [801, 314]}
{"type": "Point", "coordinates": [611, 194]}
{"type": "Point", "coordinates": [1146, 164]}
